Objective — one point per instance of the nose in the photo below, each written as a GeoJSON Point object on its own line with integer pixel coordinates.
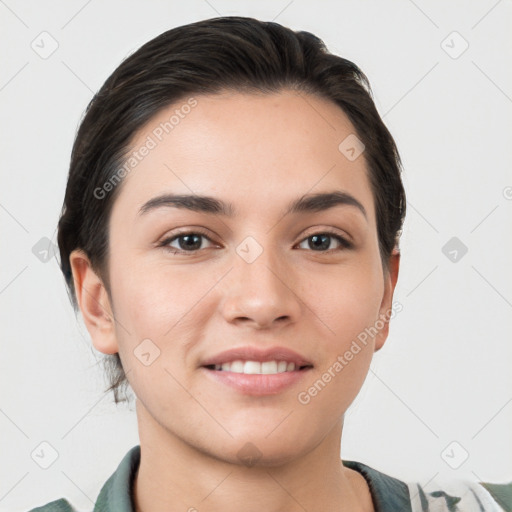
{"type": "Point", "coordinates": [261, 293]}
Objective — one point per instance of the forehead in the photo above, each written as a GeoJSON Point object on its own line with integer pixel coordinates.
{"type": "Point", "coordinates": [260, 148]}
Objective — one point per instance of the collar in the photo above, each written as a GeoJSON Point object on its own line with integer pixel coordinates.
{"type": "Point", "coordinates": [388, 493]}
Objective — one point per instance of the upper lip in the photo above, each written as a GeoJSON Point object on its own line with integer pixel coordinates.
{"type": "Point", "coordinates": [257, 354]}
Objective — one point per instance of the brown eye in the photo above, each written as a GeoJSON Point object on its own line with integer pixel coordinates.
{"type": "Point", "coordinates": [188, 242]}
{"type": "Point", "coordinates": [322, 242]}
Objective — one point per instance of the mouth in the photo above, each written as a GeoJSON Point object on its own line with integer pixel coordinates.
{"type": "Point", "coordinates": [257, 367]}
{"type": "Point", "coordinates": [257, 372]}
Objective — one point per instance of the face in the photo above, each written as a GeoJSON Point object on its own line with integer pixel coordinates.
{"type": "Point", "coordinates": [278, 285]}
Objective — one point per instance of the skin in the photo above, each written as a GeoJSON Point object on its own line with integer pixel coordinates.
{"type": "Point", "coordinates": [258, 152]}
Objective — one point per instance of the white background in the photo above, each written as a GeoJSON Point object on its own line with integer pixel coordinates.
{"type": "Point", "coordinates": [444, 374]}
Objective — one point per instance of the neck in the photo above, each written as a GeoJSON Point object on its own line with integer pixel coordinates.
{"type": "Point", "coordinates": [174, 475]}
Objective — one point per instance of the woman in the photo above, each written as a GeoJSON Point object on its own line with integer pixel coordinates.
{"type": "Point", "coordinates": [230, 234]}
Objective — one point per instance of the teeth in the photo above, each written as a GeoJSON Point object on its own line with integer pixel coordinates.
{"type": "Point", "coordinates": [255, 367]}
{"type": "Point", "coordinates": [235, 366]}
{"type": "Point", "coordinates": [269, 367]}
{"type": "Point", "coordinates": [252, 367]}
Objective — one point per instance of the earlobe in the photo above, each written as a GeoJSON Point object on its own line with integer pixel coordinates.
{"type": "Point", "coordinates": [94, 303]}
{"type": "Point", "coordinates": [390, 279]}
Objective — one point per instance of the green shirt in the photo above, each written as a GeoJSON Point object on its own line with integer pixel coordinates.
{"type": "Point", "coordinates": [388, 494]}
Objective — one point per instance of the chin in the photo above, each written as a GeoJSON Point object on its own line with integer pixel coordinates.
{"type": "Point", "coordinates": [257, 450]}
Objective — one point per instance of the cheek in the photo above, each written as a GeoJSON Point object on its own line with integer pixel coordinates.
{"type": "Point", "coordinates": [151, 299]}
{"type": "Point", "coordinates": [350, 310]}
{"type": "Point", "coordinates": [155, 313]}
{"type": "Point", "coordinates": [347, 300]}
{"type": "Point", "coordinates": [169, 307]}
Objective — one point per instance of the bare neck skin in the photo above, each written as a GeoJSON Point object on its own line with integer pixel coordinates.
{"type": "Point", "coordinates": [175, 476]}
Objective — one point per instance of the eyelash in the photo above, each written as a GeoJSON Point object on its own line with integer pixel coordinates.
{"type": "Point", "coordinates": [345, 244]}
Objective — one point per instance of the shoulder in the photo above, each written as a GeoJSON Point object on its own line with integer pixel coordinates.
{"type": "Point", "coordinates": [60, 505]}
{"type": "Point", "coordinates": [502, 493]}
{"type": "Point", "coordinates": [463, 495]}
{"type": "Point", "coordinates": [114, 496]}
{"type": "Point", "coordinates": [390, 494]}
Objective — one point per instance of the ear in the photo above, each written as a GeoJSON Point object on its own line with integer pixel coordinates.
{"type": "Point", "coordinates": [390, 279]}
{"type": "Point", "coordinates": [94, 303]}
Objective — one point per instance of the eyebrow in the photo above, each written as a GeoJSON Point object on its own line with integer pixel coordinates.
{"type": "Point", "coordinates": [308, 203]}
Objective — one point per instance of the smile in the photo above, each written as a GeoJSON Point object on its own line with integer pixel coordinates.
{"type": "Point", "coordinates": [256, 367]}
{"type": "Point", "coordinates": [257, 378]}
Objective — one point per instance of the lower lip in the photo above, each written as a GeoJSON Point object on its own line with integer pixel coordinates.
{"type": "Point", "coordinates": [257, 384]}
